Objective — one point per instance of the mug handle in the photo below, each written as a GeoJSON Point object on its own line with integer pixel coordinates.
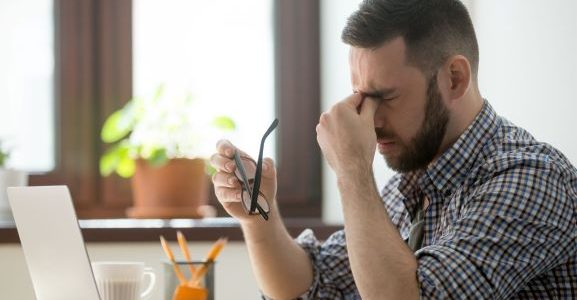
{"type": "Point", "coordinates": [148, 271]}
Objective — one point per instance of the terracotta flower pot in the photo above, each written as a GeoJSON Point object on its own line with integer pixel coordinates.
{"type": "Point", "coordinates": [178, 189]}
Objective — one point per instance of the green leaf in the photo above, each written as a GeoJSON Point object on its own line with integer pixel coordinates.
{"type": "Point", "coordinates": [126, 167]}
{"type": "Point", "coordinates": [158, 158]}
{"type": "Point", "coordinates": [117, 159]}
{"type": "Point", "coordinates": [189, 99]}
{"type": "Point", "coordinates": [115, 127]}
{"type": "Point", "coordinates": [210, 170]}
{"type": "Point", "coordinates": [4, 155]}
{"type": "Point", "coordinates": [3, 158]}
{"type": "Point", "coordinates": [109, 161]}
{"type": "Point", "coordinates": [158, 93]}
{"type": "Point", "coordinates": [224, 123]}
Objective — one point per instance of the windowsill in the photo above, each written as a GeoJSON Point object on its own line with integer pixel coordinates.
{"type": "Point", "coordinates": [147, 230]}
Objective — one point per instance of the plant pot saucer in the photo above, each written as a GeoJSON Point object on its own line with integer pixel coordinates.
{"type": "Point", "coordinates": [170, 212]}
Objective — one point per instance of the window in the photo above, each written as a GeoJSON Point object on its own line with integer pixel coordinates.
{"type": "Point", "coordinates": [220, 52]}
{"type": "Point", "coordinates": [26, 82]}
{"type": "Point", "coordinates": [94, 76]}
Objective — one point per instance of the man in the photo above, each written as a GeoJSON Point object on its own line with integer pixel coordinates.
{"type": "Point", "coordinates": [478, 210]}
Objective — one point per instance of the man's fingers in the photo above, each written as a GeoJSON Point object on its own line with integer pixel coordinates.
{"type": "Point", "coordinates": [365, 106]}
{"type": "Point", "coordinates": [268, 169]}
{"type": "Point", "coordinates": [354, 100]}
{"type": "Point", "coordinates": [225, 180]}
{"type": "Point", "coordinates": [225, 194]}
{"type": "Point", "coordinates": [226, 148]}
{"type": "Point", "coordinates": [222, 163]}
{"type": "Point", "coordinates": [369, 108]}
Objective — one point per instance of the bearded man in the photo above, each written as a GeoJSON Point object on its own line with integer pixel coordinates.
{"type": "Point", "coordinates": [478, 209]}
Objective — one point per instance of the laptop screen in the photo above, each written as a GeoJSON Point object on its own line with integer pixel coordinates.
{"type": "Point", "coordinates": [52, 243]}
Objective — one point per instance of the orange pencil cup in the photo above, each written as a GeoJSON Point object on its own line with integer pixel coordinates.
{"type": "Point", "coordinates": [173, 288]}
{"type": "Point", "coordinates": [185, 292]}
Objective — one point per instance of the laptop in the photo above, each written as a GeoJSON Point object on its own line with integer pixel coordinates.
{"type": "Point", "coordinates": [52, 243]}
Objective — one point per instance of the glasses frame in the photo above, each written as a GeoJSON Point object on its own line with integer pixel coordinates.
{"type": "Point", "coordinates": [254, 192]}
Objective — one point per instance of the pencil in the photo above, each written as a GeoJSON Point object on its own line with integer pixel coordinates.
{"type": "Point", "coordinates": [184, 248]}
{"type": "Point", "coordinates": [212, 254]}
{"type": "Point", "coordinates": [168, 253]}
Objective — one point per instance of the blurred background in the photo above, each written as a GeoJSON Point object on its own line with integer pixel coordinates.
{"type": "Point", "coordinates": [67, 65]}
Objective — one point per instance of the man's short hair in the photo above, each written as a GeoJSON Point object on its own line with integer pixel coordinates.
{"type": "Point", "coordinates": [433, 30]}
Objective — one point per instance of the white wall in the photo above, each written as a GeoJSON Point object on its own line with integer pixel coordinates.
{"type": "Point", "coordinates": [528, 71]}
{"type": "Point", "coordinates": [233, 276]}
{"type": "Point", "coordinates": [528, 65]}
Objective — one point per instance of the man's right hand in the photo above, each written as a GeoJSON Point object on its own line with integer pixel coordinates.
{"type": "Point", "coordinates": [282, 268]}
{"type": "Point", "coordinates": [228, 189]}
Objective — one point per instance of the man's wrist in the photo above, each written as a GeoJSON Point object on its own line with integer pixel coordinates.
{"type": "Point", "coordinates": [258, 230]}
{"type": "Point", "coordinates": [354, 176]}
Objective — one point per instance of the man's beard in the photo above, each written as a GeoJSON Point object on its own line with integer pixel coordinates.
{"type": "Point", "coordinates": [423, 148]}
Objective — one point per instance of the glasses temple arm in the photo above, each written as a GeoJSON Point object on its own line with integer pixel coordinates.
{"type": "Point", "coordinates": [256, 186]}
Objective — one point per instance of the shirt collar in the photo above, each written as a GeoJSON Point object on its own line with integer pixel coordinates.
{"type": "Point", "coordinates": [450, 170]}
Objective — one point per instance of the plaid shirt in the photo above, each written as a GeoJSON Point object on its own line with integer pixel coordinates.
{"type": "Point", "coordinates": [501, 223]}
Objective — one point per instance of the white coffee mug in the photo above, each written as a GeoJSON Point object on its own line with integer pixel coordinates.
{"type": "Point", "coordinates": [119, 280]}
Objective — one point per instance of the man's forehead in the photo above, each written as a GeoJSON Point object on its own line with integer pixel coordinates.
{"type": "Point", "coordinates": [373, 68]}
{"type": "Point", "coordinates": [390, 52]}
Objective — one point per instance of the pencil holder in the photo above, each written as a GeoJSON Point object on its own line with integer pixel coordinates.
{"type": "Point", "coordinates": [171, 280]}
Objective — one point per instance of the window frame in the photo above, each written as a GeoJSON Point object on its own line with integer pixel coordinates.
{"type": "Point", "coordinates": [93, 77]}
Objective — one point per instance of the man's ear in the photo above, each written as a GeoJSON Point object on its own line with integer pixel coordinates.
{"type": "Point", "coordinates": [454, 78]}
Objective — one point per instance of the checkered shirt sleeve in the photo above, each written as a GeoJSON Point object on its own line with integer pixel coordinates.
{"type": "Point", "coordinates": [516, 225]}
{"type": "Point", "coordinates": [332, 277]}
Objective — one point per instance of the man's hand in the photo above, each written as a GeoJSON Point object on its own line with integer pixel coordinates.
{"type": "Point", "coordinates": [227, 187]}
{"type": "Point", "coordinates": [377, 253]}
{"type": "Point", "coordinates": [346, 134]}
{"type": "Point", "coordinates": [282, 268]}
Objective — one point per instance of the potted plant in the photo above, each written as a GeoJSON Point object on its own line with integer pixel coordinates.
{"type": "Point", "coordinates": [8, 177]}
{"type": "Point", "coordinates": [161, 143]}
{"type": "Point", "coordinates": [4, 155]}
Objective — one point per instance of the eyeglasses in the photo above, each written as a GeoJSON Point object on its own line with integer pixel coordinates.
{"type": "Point", "coordinates": [248, 173]}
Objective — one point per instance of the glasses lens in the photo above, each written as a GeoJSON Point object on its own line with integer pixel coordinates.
{"type": "Point", "coordinates": [260, 200]}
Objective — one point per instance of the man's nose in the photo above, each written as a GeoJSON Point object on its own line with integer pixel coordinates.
{"type": "Point", "coordinates": [379, 120]}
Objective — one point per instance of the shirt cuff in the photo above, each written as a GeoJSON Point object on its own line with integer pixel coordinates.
{"type": "Point", "coordinates": [311, 245]}
{"type": "Point", "coordinates": [308, 241]}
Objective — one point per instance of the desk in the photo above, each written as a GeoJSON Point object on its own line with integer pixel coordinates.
{"type": "Point", "coordinates": [126, 239]}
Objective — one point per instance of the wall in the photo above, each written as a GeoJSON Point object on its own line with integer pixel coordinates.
{"type": "Point", "coordinates": [528, 65]}
{"type": "Point", "coordinates": [233, 277]}
{"type": "Point", "coordinates": [528, 71]}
